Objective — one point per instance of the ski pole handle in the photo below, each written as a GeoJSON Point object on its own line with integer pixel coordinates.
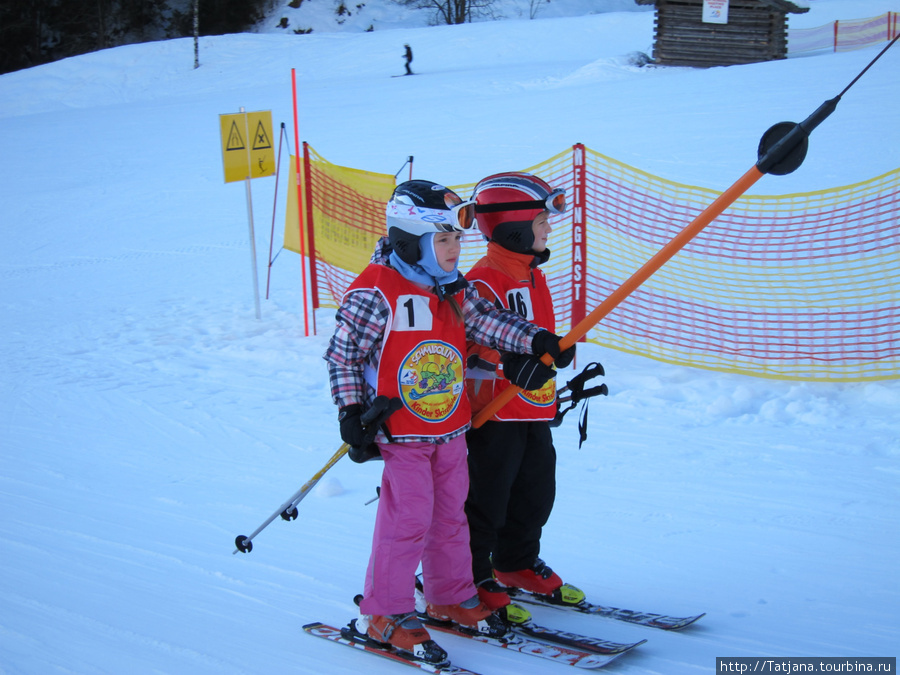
{"type": "Point", "coordinates": [372, 421]}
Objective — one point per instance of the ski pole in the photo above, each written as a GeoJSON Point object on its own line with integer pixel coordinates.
{"type": "Point", "coordinates": [577, 393]}
{"type": "Point", "coordinates": [782, 150]}
{"type": "Point", "coordinates": [372, 419]}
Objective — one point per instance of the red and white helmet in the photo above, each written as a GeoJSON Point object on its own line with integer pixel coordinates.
{"type": "Point", "coordinates": [506, 205]}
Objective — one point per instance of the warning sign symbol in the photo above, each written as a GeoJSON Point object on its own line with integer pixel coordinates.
{"type": "Point", "coordinates": [235, 141]}
{"type": "Point", "coordinates": [254, 158]}
{"type": "Point", "coordinates": [261, 139]}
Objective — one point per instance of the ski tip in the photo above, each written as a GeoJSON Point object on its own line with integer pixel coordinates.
{"type": "Point", "coordinates": [690, 621]}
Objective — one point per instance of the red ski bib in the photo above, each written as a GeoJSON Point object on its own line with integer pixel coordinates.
{"type": "Point", "coordinates": [535, 304]}
{"type": "Point", "coordinates": [422, 356]}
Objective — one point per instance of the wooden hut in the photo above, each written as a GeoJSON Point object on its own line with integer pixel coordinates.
{"type": "Point", "coordinates": [704, 33]}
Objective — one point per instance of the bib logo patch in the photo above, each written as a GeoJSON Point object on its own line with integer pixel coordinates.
{"type": "Point", "coordinates": [543, 397]}
{"type": "Point", "coordinates": [431, 380]}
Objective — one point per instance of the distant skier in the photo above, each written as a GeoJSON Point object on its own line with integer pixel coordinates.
{"type": "Point", "coordinates": [409, 57]}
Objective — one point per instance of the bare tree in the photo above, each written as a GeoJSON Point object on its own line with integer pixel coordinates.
{"type": "Point", "coordinates": [534, 6]}
{"type": "Point", "coordinates": [452, 11]}
{"type": "Point", "coordinates": [196, 9]}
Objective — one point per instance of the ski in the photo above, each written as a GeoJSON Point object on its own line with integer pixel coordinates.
{"type": "Point", "coordinates": [554, 652]}
{"type": "Point", "coordinates": [662, 621]}
{"type": "Point", "coordinates": [573, 640]}
{"type": "Point", "coordinates": [349, 638]}
{"type": "Point", "coordinates": [530, 629]}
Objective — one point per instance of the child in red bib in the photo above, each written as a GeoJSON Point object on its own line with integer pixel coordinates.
{"type": "Point", "coordinates": [402, 331]}
{"type": "Point", "coordinates": [512, 461]}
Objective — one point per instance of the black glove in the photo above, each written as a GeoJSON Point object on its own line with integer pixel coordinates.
{"type": "Point", "coordinates": [350, 419]}
{"type": "Point", "coordinates": [526, 371]}
{"type": "Point", "coordinates": [546, 342]}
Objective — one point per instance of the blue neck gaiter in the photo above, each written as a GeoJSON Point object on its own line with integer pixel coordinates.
{"type": "Point", "coordinates": [426, 271]}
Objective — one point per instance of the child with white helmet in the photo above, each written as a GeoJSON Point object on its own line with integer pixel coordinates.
{"type": "Point", "coordinates": [401, 332]}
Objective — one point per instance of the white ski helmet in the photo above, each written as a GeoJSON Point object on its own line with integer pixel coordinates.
{"type": "Point", "coordinates": [419, 207]}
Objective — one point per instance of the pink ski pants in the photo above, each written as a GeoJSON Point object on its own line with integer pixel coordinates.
{"type": "Point", "coordinates": [420, 518]}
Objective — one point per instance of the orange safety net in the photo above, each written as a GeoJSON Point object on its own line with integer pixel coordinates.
{"type": "Point", "coordinates": [347, 208]}
{"type": "Point", "coordinates": [802, 286]}
{"type": "Point", "coordinates": [845, 35]}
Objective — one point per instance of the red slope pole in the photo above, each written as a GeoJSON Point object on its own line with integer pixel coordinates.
{"type": "Point", "coordinates": [299, 206]}
{"type": "Point", "coordinates": [310, 234]}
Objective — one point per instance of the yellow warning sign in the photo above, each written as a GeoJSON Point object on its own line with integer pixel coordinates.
{"type": "Point", "coordinates": [247, 150]}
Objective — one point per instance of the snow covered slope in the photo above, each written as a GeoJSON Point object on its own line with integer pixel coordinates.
{"type": "Point", "coordinates": [147, 417]}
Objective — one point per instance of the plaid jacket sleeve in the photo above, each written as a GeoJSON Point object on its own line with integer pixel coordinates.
{"type": "Point", "coordinates": [359, 331]}
{"type": "Point", "coordinates": [499, 329]}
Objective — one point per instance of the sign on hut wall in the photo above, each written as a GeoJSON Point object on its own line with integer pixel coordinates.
{"type": "Point", "coordinates": [715, 11]}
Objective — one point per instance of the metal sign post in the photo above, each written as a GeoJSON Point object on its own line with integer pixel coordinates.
{"type": "Point", "coordinates": [244, 157]}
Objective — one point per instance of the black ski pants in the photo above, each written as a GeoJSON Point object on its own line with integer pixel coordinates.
{"type": "Point", "coordinates": [512, 487]}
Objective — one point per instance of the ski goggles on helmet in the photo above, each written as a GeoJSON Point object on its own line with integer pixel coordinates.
{"type": "Point", "coordinates": [459, 216]}
{"type": "Point", "coordinates": [462, 213]}
{"type": "Point", "coordinates": [555, 203]}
